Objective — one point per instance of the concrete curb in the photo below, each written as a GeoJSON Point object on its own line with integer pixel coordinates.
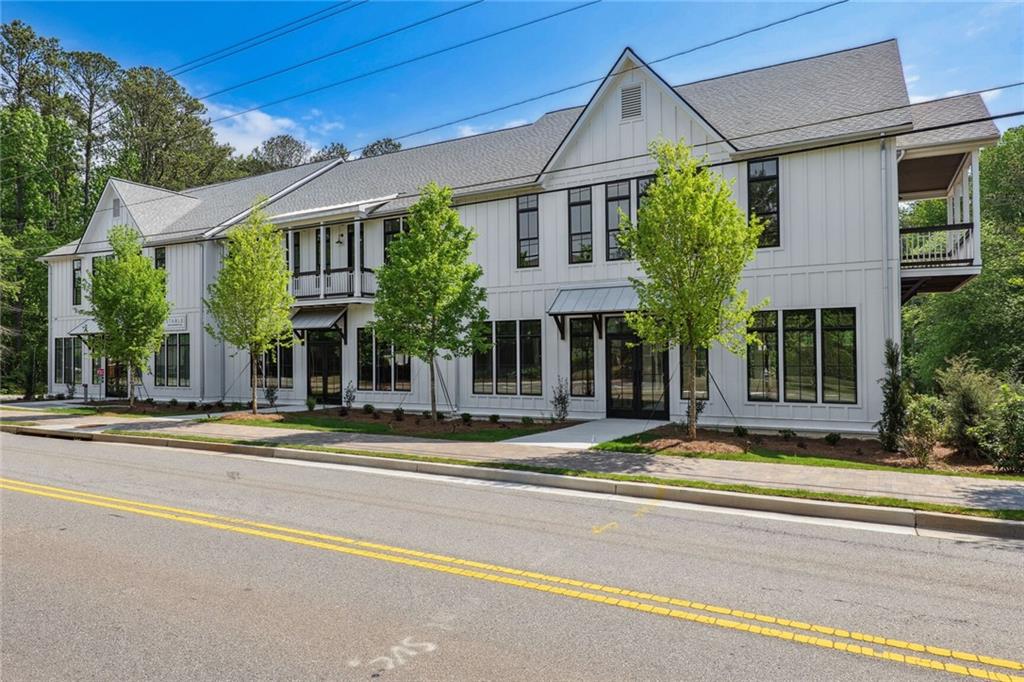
{"type": "Point", "coordinates": [892, 516]}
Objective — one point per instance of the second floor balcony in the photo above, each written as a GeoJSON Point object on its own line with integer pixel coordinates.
{"type": "Point", "coordinates": [334, 283]}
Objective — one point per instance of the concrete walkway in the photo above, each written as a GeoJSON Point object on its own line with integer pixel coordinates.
{"type": "Point", "coordinates": [565, 449]}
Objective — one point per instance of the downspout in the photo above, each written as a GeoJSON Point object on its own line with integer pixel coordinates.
{"type": "Point", "coordinates": [886, 236]}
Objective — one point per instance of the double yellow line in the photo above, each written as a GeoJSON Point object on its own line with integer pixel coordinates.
{"type": "Point", "coordinates": [889, 649]}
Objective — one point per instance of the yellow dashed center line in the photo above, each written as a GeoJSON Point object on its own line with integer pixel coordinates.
{"type": "Point", "coordinates": [515, 577]}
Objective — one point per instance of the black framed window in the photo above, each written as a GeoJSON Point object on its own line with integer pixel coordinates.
{"type": "Point", "coordinates": [483, 364]}
{"type": "Point", "coordinates": [763, 195]}
{"type": "Point", "coordinates": [641, 190]}
{"type": "Point", "coordinates": [286, 364]}
{"type": "Point", "coordinates": [76, 281]}
{"type": "Point", "coordinates": [171, 363]}
{"type": "Point", "coordinates": [316, 252]}
{"type": "Point", "coordinates": [581, 357]}
{"type": "Point", "coordinates": [403, 371]}
{"type": "Point", "coordinates": [800, 356]}
{"type": "Point", "coordinates": [530, 366]}
{"type": "Point", "coordinates": [527, 232]}
{"type": "Point", "coordinates": [763, 358]}
{"type": "Point", "coordinates": [382, 360]}
{"type": "Point", "coordinates": [296, 258]}
{"type": "Point", "coordinates": [701, 385]}
{"type": "Point", "coordinates": [581, 237]}
{"type": "Point", "coordinates": [67, 360]}
{"type": "Point", "coordinates": [505, 357]}
{"type": "Point", "coordinates": [839, 355]}
{"type": "Point", "coordinates": [160, 258]}
{"type": "Point", "coordinates": [76, 359]}
{"type": "Point", "coordinates": [616, 198]}
{"type": "Point", "coordinates": [392, 228]}
{"type": "Point", "coordinates": [364, 359]}
{"type": "Point", "coordinates": [58, 361]}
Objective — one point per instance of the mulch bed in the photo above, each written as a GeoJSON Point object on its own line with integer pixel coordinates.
{"type": "Point", "coordinates": [672, 439]}
{"type": "Point", "coordinates": [412, 424]}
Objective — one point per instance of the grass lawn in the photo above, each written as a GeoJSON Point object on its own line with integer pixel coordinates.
{"type": "Point", "coordinates": [1008, 514]}
{"type": "Point", "coordinates": [849, 454]}
{"type": "Point", "coordinates": [476, 431]}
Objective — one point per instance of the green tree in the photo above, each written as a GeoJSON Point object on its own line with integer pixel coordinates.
{"type": "Point", "coordinates": [91, 78]}
{"type": "Point", "coordinates": [428, 303]}
{"type": "Point", "coordinates": [691, 242]}
{"type": "Point", "coordinates": [250, 300]}
{"type": "Point", "coordinates": [385, 145]}
{"type": "Point", "coordinates": [281, 151]}
{"type": "Point", "coordinates": [1002, 179]}
{"type": "Point", "coordinates": [127, 295]}
{"type": "Point", "coordinates": [335, 150]}
{"type": "Point", "coordinates": [158, 131]}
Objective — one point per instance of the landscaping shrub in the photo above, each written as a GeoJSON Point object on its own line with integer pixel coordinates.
{"type": "Point", "coordinates": [527, 421]}
{"type": "Point", "coordinates": [368, 409]}
{"type": "Point", "coordinates": [560, 400]}
{"type": "Point", "coordinates": [833, 439]}
{"type": "Point", "coordinates": [740, 431]}
{"type": "Point", "coordinates": [700, 408]}
{"type": "Point", "coordinates": [191, 405]}
{"type": "Point", "coordinates": [173, 402]}
{"type": "Point", "coordinates": [234, 406]}
{"type": "Point", "coordinates": [349, 396]}
{"type": "Point", "coordinates": [787, 433]}
{"type": "Point", "coordinates": [311, 403]}
{"type": "Point", "coordinates": [270, 394]}
{"type": "Point", "coordinates": [894, 399]}
{"type": "Point", "coordinates": [1001, 433]}
{"type": "Point", "coordinates": [427, 415]}
{"type": "Point", "coordinates": [969, 394]}
{"type": "Point", "coordinates": [60, 396]}
{"type": "Point", "coordinates": [494, 418]}
{"type": "Point", "coordinates": [398, 413]}
{"type": "Point", "coordinates": [71, 390]}
{"type": "Point", "coordinates": [922, 429]}
{"type": "Point", "coordinates": [467, 418]}
{"type": "Point", "coordinates": [150, 401]}
{"type": "Point", "coordinates": [219, 404]}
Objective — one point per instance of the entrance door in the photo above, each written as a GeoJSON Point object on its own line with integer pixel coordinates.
{"type": "Point", "coordinates": [323, 368]}
{"type": "Point", "coordinates": [116, 376]}
{"type": "Point", "coordinates": [637, 377]}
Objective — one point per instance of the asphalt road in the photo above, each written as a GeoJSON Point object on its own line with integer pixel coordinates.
{"type": "Point", "coordinates": [241, 568]}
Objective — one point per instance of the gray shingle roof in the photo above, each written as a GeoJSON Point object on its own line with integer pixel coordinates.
{"type": "Point", "coordinates": [964, 108]}
{"type": "Point", "coordinates": [502, 158]}
{"type": "Point", "coordinates": [746, 106]}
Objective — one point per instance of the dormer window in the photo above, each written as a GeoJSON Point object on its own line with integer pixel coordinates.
{"type": "Point", "coordinates": [631, 100]}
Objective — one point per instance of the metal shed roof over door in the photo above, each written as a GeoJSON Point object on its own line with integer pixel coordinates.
{"type": "Point", "coordinates": [613, 299]}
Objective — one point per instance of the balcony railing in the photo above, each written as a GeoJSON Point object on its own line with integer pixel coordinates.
{"type": "Point", "coordinates": [337, 282]}
{"type": "Point", "coordinates": [368, 281]}
{"type": "Point", "coordinates": [937, 246]}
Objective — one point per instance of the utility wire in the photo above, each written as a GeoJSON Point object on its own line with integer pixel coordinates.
{"type": "Point", "coordinates": [870, 136]}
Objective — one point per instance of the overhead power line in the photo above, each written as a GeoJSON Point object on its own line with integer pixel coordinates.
{"type": "Point", "coordinates": [868, 137]}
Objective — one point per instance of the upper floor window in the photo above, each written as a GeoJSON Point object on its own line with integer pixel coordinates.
{"type": "Point", "coordinates": [763, 194]}
{"type": "Point", "coordinates": [839, 355]}
{"type": "Point", "coordinates": [392, 228]}
{"type": "Point", "coordinates": [800, 356]}
{"type": "Point", "coordinates": [76, 281]}
{"type": "Point", "coordinates": [160, 258]}
{"type": "Point", "coordinates": [616, 198]}
{"type": "Point", "coordinates": [763, 358]}
{"type": "Point", "coordinates": [641, 190]}
{"type": "Point", "coordinates": [581, 241]}
{"type": "Point", "coordinates": [117, 207]}
{"type": "Point", "coordinates": [527, 232]}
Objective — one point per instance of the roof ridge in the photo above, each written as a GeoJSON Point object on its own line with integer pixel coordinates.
{"type": "Point", "coordinates": [789, 61]}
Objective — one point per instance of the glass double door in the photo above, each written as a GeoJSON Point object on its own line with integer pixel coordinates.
{"type": "Point", "coordinates": [116, 379]}
{"type": "Point", "coordinates": [323, 368]}
{"type": "Point", "coordinates": [637, 377]}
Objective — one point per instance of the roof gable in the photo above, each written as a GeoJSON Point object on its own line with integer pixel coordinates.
{"type": "Point", "coordinates": [661, 110]}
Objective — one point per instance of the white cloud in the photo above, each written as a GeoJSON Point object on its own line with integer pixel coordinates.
{"type": "Point", "coordinates": [917, 99]}
{"type": "Point", "coordinates": [991, 95]}
{"type": "Point", "coordinates": [953, 93]}
{"type": "Point", "coordinates": [246, 131]}
{"type": "Point", "coordinates": [912, 79]}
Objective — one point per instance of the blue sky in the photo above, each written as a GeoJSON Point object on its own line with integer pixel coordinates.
{"type": "Point", "coordinates": [946, 48]}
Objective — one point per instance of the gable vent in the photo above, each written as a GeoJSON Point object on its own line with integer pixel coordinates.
{"type": "Point", "coordinates": [632, 102]}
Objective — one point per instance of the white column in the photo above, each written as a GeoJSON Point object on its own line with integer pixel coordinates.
{"type": "Point", "coordinates": [976, 207]}
{"type": "Point", "coordinates": [323, 260]}
{"type": "Point", "coordinates": [965, 195]}
{"type": "Point", "coordinates": [357, 264]}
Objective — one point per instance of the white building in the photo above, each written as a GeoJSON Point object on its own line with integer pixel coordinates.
{"type": "Point", "coordinates": [824, 147]}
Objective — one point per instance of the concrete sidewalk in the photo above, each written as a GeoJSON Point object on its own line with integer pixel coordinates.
{"type": "Point", "coordinates": [985, 493]}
